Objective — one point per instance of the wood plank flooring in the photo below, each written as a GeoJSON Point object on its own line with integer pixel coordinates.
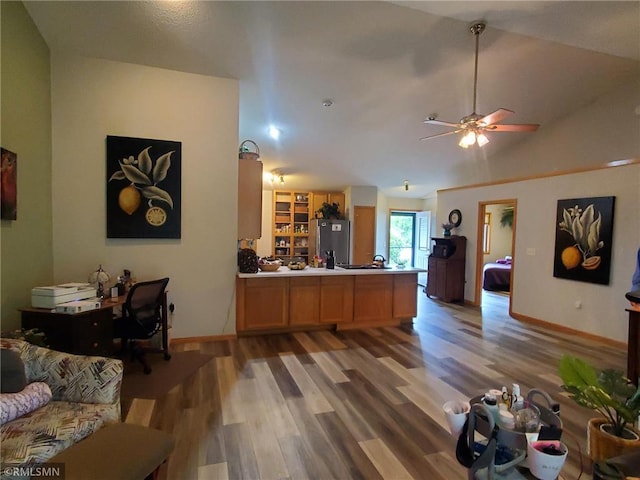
{"type": "Point", "coordinates": [359, 404]}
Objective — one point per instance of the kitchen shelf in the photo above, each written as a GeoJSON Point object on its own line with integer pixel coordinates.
{"type": "Point", "coordinates": [291, 213]}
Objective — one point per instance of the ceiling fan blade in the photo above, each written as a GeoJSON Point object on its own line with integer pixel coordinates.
{"type": "Point", "coordinates": [441, 134]}
{"type": "Point", "coordinates": [433, 121]}
{"type": "Point", "coordinates": [495, 117]}
{"type": "Point", "coordinates": [525, 127]}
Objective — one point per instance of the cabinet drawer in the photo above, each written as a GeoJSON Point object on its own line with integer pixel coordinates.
{"type": "Point", "coordinates": [93, 334]}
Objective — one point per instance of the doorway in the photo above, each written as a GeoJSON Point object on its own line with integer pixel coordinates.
{"type": "Point", "coordinates": [495, 249]}
{"type": "Point", "coordinates": [409, 240]}
{"type": "Point", "coordinates": [402, 232]}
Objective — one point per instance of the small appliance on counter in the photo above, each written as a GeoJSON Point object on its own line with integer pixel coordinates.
{"type": "Point", "coordinates": [331, 259]}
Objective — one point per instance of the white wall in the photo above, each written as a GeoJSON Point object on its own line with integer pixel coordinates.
{"type": "Point", "coordinates": [26, 243]}
{"type": "Point", "coordinates": [94, 98]}
{"type": "Point", "coordinates": [536, 292]}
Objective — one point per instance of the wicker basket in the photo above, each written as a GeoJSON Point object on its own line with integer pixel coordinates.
{"type": "Point", "coordinates": [269, 267]}
{"type": "Point", "coordinates": [603, 446]}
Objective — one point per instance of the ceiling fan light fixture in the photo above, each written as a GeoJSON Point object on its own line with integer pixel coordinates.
{"type": "Point", "coordinates": [482, 139]}
{"type": "Point", "coordinates": [468, 139]}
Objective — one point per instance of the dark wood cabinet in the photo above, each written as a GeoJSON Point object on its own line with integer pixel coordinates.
{"type": "Point", "coordinates": [445, 278]}
{"type": "Point", "coordinates": [86, 333]}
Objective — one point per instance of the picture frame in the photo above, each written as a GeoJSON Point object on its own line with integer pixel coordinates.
{"type": "Point", "coordinates": [584, 238]}
{"type": "Point", "coordinates": [9, 188]}
{"type": "Point", "coordinates": [143, 187]}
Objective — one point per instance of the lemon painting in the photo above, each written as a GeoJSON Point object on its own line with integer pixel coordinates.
{"type": "Point", "coordinates": [584, 229]}
{"type": "Point", "coordinates": [143, 188]}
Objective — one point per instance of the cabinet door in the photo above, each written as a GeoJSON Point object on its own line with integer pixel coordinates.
{"type": "Point", "coordinates": [441, 279]}
{"type": "Point", "coordinates": [336, 299]}
{"type": "Point", "coordinates": [304, 300]}
{"type": "Point", "coordinates": [373, 297]}
{"type": "Point", "coordinates": [432, 274]}
{"type": "Point", "coordinates": [337, 197]}
{"type": "Point", "coordinates": [264, 303]}
{"type": "Point", "coordinates": [318, 199]}
{"type": "Point", "coordinates": [249, 199]}
{"type": "Point", "coordinates": [405, 290]}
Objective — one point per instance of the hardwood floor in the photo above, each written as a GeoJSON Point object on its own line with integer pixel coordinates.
{"type": "Point", "coordinates": [359, 404]}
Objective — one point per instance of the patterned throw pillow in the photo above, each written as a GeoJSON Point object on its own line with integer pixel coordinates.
{"type": "Point", "coordinates": [14, 405]}
{"type": "Point", "coordinates": [12, 376]}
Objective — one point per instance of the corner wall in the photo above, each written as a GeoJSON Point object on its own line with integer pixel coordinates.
{"type": "Point", "coordinates": [536, 292]}
{"type": "Point", "coordinates": [94, 98]}
{"type": "Point", "coordinates": [25, 243]}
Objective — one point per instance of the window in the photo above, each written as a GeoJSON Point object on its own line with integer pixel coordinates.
{"type": "Point", "coordinates": [486, 234]}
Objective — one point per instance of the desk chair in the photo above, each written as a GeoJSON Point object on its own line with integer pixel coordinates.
{"type": "Point", "coordinates": [143, 315]}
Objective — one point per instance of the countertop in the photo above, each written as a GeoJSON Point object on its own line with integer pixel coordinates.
{"type": "Point", "coordinates": [314, 272]}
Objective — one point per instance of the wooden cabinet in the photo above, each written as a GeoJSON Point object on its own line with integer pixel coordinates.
{"type": "Point", "coordinates": [85, 333]}
{"type": "Point", "coordinates": [262, 303]}
{"type": "Point", "coordinates": [329, 197]}
{"type": "Point", "coordinates": [373, 298]}
{"type": "Point", "coordinates": [445, 278]}
{"type": "Point", "coordinates": [405, 296]}
{"type": "Point", "coordinates": [291, 225]}
{"type": "Point", "coordinates": [249, 199]}
{"type": "Point", "coordinates": [304, 301]}
{"type": "Point", "coordinates": [336, 299]}
{"type": "Point", "coordinates": [273, 303]}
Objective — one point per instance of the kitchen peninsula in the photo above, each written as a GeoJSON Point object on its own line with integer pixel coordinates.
{"type": "Point", "coordinates": [288, 300]}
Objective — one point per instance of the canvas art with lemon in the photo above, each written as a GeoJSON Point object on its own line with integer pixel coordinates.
{"type": "Point", "coordinates": [143, 188]}
{"type": "Point", "coordinates": [583, 239]}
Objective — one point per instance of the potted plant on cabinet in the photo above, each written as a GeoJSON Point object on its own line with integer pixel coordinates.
{"type": "Point", "coordinates": [611, 394]}
{"type": "Point", "coordinates": [330, 210]}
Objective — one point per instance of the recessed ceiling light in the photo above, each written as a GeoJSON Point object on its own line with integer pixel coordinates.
{"type": "Point", "coordinates": [274, 132]}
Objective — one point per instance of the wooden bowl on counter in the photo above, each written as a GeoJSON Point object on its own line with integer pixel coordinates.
{"type": "Point", "coordinates": [297, 265]}
{"type": "Point", "coordinates": [269, 267]}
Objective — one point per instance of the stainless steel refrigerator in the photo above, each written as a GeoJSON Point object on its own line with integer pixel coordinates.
{"type": "Point", "coordinates": [330, 235]}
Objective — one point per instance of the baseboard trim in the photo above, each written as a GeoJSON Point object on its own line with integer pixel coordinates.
{"type": "Point", "coordinates": [568, 330]}
{"type": "Point", "coordinates": [206, 338]}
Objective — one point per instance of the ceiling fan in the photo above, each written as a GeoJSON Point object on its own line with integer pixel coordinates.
{"type": "Point", "coordinates": [474, 126]}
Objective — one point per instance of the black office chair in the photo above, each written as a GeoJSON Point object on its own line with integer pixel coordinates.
{"type": "Point", "coordinates": [143, 315]}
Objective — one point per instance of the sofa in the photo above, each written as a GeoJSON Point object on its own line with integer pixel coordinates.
{"type": "Point", "coordinates": [67, 398]}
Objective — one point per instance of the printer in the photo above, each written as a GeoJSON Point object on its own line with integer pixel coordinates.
{"type": "Point", "coordinates": [51, 296]}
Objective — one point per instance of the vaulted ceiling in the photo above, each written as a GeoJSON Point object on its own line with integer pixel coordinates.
{"type": "Point", "coordinates": [386, 66]}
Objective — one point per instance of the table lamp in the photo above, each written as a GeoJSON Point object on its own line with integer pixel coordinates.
{"type": "Point", "coordinates": [99, 278]}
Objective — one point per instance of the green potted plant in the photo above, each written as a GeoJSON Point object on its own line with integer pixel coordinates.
{"type": "Point", "coordinates": [330, 210]}
{"type": "Point", "coordinates": [611, 394]}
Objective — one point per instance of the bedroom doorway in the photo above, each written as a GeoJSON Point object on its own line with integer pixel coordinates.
{"type": "Point", "coordinates": [495, 247]}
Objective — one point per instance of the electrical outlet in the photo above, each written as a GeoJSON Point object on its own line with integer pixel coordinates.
{"type": "Point", "coordinates": [531, 251]}
{"type": "Point", "coordinates": [578, 304]}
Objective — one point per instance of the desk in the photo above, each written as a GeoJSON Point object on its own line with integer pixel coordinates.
{"type": "Point", "coordinates": [84, 333]}
{"type": "Point", "coordinates": [633, 343]}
